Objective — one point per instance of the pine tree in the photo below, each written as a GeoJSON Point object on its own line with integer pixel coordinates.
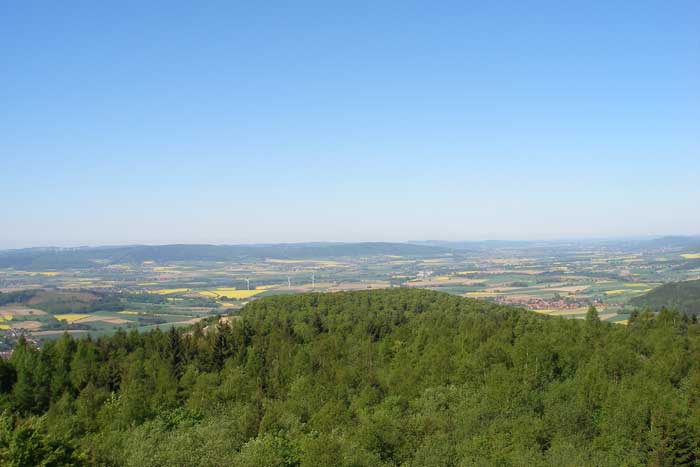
{"type": "Point", "coordinates": [175, 354]}
{"type": "Point", "coordinates": [592, 315]}
{"type": "Point", "coordinates": [681, 446]}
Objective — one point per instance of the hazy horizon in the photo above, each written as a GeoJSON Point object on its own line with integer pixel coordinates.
{"type": "Point", "coordinates": [409, 241]}
{"type": "Point", "coordinates": [260, 123]}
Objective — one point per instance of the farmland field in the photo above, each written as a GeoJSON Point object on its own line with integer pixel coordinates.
{"type": "Point", "coordinates": [553, 278]}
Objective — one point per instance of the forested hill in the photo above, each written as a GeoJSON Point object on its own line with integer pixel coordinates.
{"type": "Point", "coordinates": [396, 377]}
{"type": "Point", "coordinates": [682, 296]}
{"type": "Point", "coordinates": [57, 258]}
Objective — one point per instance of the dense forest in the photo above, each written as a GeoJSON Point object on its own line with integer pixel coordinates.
{"type": "Point", "coordinates": [682, 296]}
{"type": "Point", "coordinates": [385, 378]}
{"type": "Point", "coordinates": [61, 301]}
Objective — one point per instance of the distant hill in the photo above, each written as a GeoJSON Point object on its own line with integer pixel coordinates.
{"type": "Point", "coordinates": [63, 301]}
{"type": "Point", "coordinates": [61, 258]}
{"type": "Point", "coordinates": [691, 243]}
{"type": "Point", "coordinates": [676, 242]}
{"type": "Point", "coordinates": [682, 296]}
{"type": "Point", "coordinates": [476, 245]}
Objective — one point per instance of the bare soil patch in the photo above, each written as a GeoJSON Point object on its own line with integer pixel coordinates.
{"type": "Point", "coordinates": [55, 332]}
{"type": "Point", "coordinates": [17, 310]}
{"type": "Point", "coordinates": [105, 319]}
{"type": "Point", "coordinates": [24, 324]}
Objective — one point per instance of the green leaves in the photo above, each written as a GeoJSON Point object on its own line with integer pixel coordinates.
{"type": "Point", "coordinates": [376, 378]}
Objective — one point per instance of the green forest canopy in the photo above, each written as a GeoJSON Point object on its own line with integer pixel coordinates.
{"type": "Point", "coordinates": [682, 296]}
{"type": "Point", "coordinates": [372, 378]}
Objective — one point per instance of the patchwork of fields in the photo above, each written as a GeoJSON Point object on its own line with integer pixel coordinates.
{"type": "Point", "coordinates": [553, 279]}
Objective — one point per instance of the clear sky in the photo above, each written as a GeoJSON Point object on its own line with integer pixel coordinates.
{"type": "Point", "coordinates": [236, 122]}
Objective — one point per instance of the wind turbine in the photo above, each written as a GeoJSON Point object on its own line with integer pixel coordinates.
{"type": "Point", "coordinates": [313, 280]}
{"type": "Point", "coordinates": [289, 283]}
{"type": "Point", "coordinates": [247, 282]}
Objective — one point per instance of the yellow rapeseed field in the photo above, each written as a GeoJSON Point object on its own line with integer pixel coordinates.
{"type": "Point", "coordinates": [4, 327]}
{"type": "Point", "coordinates": [128, 312]}
{"type": "Point", "coordinates": [165, 269]}
{"type": "Point", "coordinates": [481, 294]}
{"type": "Point", "coordinates": [169, 291]}
{"type": "Point", "coordinates": [616, 292]}
{"type": "Point", "coordinates": [621, 291]}
{"type": "Point", "coordinates": [691, 255]}
{"type": "Point", "coordinates": [71, 317]}
{"type": "Point", "coordinates": [231, 293]}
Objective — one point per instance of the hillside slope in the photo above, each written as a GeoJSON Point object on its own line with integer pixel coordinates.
{"type": "Point", "coordinates": [374, 378]}
{"type": "Point", "coordinates": [682, 296]}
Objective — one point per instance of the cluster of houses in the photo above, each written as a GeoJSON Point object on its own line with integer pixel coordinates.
{"type": "Point", "coordinates": [9, 339]}
{"type": "Point", "coordinates": [555, 303]}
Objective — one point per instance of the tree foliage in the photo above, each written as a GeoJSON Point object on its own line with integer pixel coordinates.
{"type": "Point", "coordinates": [682, 296]}
{"type": "Point", "coordinates": [373, 378]}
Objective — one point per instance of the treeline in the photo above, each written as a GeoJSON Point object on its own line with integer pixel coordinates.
{"type": "Point", "coordinates": [20, 296]}
{"type": "Point", "coordinates": [374, 378]}
{"type": "Point", "coordinates": [60, 301]}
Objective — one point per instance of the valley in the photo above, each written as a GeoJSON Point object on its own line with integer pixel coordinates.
{"type": "Point", "coordinates": [44, 292]}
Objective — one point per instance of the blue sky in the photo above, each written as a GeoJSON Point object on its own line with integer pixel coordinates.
{"type": "Point", "coordinates": [238, 122]}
